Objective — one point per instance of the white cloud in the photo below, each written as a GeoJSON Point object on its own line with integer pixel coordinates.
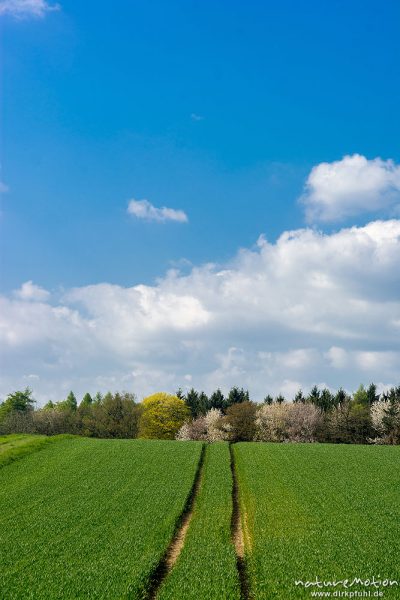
{"type": "Point", "coordinates": [309, 308]}
{"type": "Point", "coordinates": [377, 361]}
{"type": "Point", "coordinates": [21, 9]}
{"type": "Point", "coordinates": [143, 209]}
{"type": "Point", "coordinates": [196, 117]}
{"type": "Point", "coordinates": [351, 186]}
{"type": "Point", "coordinates": [364, 361]}
{"type": "Point", "coordinates": [3, 188]}
{"type": "Point", "coordinates": [337, 357]}
{"type": "Point", "coordinates": [30, 291]}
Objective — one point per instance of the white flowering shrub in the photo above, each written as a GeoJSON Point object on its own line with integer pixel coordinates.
{"type": "Point", "coordinates": [385, 416]}
{"type": "Point", "coordinates": [184, 433]}
{"type": "Point", "coordinates": [303, 421]}
{"type": "Point", "coordinates": [271, 423]}
{"type": "Point", "coordinates": [217, 430]}
{"type": "Point", "coordinates": [378, 413]}
{"type": "Point", "coordinates": [208, 428]}
{"type": "Point", "coordinates": [287, 422]}
{"type": "Point", "coordinates": [195, 430]}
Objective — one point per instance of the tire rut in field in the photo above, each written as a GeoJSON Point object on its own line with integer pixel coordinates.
{"type": "Point", "coordinates": [237, 533]}
{"type": "Point", "coordinates": [174, 549]}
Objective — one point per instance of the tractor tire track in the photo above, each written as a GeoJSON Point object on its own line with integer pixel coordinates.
{"type": "Point", "coordinates": [238, 537]}
{"type": "Point", "coordinates": [174, 549]}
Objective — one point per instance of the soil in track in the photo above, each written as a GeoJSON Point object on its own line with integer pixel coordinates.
{"type": "Point", "coordinates": [237, 533]}
{"type": "Point", "coordinates": [174, 549]}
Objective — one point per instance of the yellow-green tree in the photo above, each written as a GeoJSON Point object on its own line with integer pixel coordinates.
{"type": "Point", "coordinates": [162, 416]}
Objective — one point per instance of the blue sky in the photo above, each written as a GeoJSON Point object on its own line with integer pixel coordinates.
{"type": "Point", "coordinates": [220, 110]}
{"type": "Point", "coordinates": [97, 107]}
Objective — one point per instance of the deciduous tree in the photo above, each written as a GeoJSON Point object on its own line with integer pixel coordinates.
{"type": "Point", "coordinates": [162, 416]}
{"type": "Point", "coordinates": [241, 419]}
{"type": "Point", "coordinates": [20, 401]}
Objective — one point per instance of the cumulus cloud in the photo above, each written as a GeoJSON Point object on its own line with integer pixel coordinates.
{"type": "Point", "coordinates": [143, 209]}
{"type": "Point", "coordinates": [30, 291]}
{"type": "Point", "coordinates": [309, 308]}
{"type": "Point", "coordinates": [21, 9]}
{"type": "Point", "coordinates": [349, 187]}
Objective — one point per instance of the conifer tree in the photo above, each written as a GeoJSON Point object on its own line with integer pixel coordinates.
{"type": "Point", "coordinates": [236, 396]}
{"type": "Point", "coordinates": [87, 400]}
{"type": "Point", "coordinates": [71, 401]}
{"type": "Point", "coordinates": [372, 394]}
{"type": "Point", "coordinates": [203, 404]}
{"type": "Point", "coordinates": [192, 402]}
{"type": "Point", "coordinates": [280, 399]}
{"type": "Point", "coordinates": [217, 400]}
{"type": "Point", "coordinates": [299, 397]}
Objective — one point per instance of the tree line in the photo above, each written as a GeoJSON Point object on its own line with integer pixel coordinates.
{"type": "Point", "coordinates": [319, 416]}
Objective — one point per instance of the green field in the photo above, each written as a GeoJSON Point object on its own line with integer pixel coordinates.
{"type": "Point", "coordinates": [13, 447]}
{"type": "Point", "coordinates": [88, 518]}
{"type": "Point", "coordinates": [206, 567]}
{"type": "Point", "coordinates": [17, 440]}
{"type": "Point", "coordinates": [326, 511]}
